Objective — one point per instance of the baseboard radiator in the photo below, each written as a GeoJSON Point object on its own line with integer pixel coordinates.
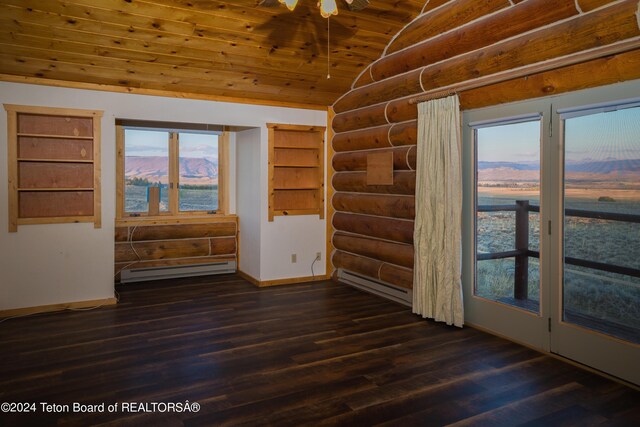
{"type": "Point", "coordinates": [173, 271]}
{"type": "Point", "coordinates": [377, 287]}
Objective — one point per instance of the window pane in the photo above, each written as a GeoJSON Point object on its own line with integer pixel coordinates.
{"type": "Point", "coordinates": [146, 164]}
{"type": "Point", "coordinates": [602, 174]}
{"type": "Point", "coordinates": [198, 172]}
{"type": "Point", "coordinates": [507, 217]}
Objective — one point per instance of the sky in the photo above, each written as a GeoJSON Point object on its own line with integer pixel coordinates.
{"type": "Point", "coordinates": [604, 136]}
{"type": "Point", "coordinates": [155, 143]}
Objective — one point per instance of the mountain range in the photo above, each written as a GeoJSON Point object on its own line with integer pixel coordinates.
{"type": "Point", "coordinates": [587, 170]}
{"type": "Point", "coordinates": [193, 170]}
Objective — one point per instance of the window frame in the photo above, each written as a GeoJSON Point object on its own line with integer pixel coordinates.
{"type": "Point", "coordinates": [174, 174]}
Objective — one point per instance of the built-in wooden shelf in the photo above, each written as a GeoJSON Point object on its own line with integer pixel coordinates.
{"type": "Point", "coordinates": [296, 170]}
{"type": "Point", "coordinates": [54, 165]}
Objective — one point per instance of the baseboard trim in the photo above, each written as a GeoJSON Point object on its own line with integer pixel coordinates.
{"type": "Point", "coordinates": [25, 311]}
{"type": "Point", "coordinates": [276, 282]}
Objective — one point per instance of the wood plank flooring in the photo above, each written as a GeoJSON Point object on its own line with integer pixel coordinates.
{"type": "Point", "coordinates": [306, 354]}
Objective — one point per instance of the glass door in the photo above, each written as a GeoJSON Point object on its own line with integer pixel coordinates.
{"type": "Point", "coordinates": [598, 309]}
{"type": "Point", "coordinates": [502, 267]}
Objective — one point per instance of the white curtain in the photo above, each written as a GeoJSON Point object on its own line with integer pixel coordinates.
{"type": "Point", "coordinates": [437, 289]}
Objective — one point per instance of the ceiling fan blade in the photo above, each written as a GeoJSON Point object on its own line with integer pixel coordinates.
{"type": "Point", "coordinates": [268, 3]}
{"type": "Point", "coordinates": [357, 4]}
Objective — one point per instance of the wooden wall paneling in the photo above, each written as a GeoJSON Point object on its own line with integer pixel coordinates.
{"type": "Point", "coordinates": [394, 253]}
{"type": "Point", "coordinates": [303, 199]}
{"type": "Point", "coordinates": [393, 229]}
{"type": "Point", "coordinates": [54, 148]}
{"type": "Point", "coordinates": [404, 182]}
{"type": "Point", "coordinates": [55, 204]}
{"type": "Point", "coordinates": [45, 124]}
{"type": "Point", "coordinates": [480, 33]}
{"type": "Point", "coordinates": [55, 175]}
{"type": "Point", "coordinates": [440, 20]}
{"type": "Point", "coordinates": [393, 206]}
{"type": "Point", "coordinates": [291, 178]}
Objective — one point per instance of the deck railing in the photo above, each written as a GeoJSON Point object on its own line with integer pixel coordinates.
{"type": "Point", "coordinates": [522, 253]}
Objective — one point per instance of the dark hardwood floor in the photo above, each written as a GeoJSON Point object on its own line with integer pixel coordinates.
{"type": "Point", "coordinates": [321, 354]}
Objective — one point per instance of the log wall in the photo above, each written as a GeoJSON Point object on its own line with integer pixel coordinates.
{"type": "Point", "coordinates": [149, 244]}
{"type": "Point", "coordinates": [567, 44]}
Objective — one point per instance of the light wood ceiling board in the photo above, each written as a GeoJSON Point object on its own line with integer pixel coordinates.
{"type": "Point", "coordinates": [106, 45]}
{"type": "Point", "coordinates": [179, 45]}
{"type": "Point", "coordinates": [101, 75]}
{"type": "Point", "coordinates": [143, 71]}
{"type": "Point", "coordinates": [73, 15]}
{"type": "Point", "coordinates": [46, 48]}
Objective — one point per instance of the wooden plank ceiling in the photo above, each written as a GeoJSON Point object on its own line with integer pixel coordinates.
{"type": "Point", "coordinates": [197, 48]}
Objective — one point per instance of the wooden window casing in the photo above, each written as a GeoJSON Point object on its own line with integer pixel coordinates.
{"type": "Point", "coordinates": [174, 211]}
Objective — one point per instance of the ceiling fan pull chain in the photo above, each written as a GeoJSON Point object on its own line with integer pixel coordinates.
{"type": "Point", "coordinates": [328, 49]}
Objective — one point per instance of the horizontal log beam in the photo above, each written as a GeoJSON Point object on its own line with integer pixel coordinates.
{"type": "Point", "coordinates": [375, 93]}
{"type": "Point", "coordinates": [404, 182]}
{"type": "Point", "coordinates": [443, 19]}
{"type": "Point", "coordinates": [400, 231]}
{"type": "Point", "coordinates": [491, 29]}
{"type": "Point", "coordinates": [375, 269]}
{"type": "Point", "coordinates": [602, 27]}
{"type": "Point", "coordinates": [404, 158]}
{"type": "Point", "coordinates": [185, 248]}
{"type": "Point", "coordinates": [360, 119]}
{"type": "Point", "coordinates": [611, 69]}
{"type": "Point", "coordinates": [366, 139]}
{"type": "Point", "coordinates": [180, 231]}
{"type": "Point", "coordinates": [405, 133]}
{"type": "Point", "coordinates": [394, 253]}
{"type": "Point", "coordinates": [364, 78]}
{"type": "Point", "coordinates": [587, 5]}
{"type": "Point", "coordinates": [393, 206]}
{"type": "Point", "coordinates": [396, 275]}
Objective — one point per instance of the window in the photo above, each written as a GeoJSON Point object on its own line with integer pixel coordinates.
{"type": "Point", "coordinates": [169, 171]}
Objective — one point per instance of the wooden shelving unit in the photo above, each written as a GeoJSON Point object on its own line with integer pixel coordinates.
{"type": "Point", "coordinates": [54, 165]}
{"type": "Point", "coordinates": [296, 170]}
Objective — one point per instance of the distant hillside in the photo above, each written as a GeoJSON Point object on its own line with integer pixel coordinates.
{"type": "Point", "coordinates": [154, 168]}
{"type": "Point", "coordinates": [592, 171]}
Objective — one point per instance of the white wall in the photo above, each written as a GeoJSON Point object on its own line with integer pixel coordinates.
{"type": "Point", "coordinates": [248, 199]}
{"type": "Point", "coordinates": [49, 264]}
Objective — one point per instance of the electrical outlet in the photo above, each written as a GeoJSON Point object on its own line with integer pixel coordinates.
{"type": "Point", "coordinates": [318, 256]}
{"type": "Point", "coordinates": [294, 258]}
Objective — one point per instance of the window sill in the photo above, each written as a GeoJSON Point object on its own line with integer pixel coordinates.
{"type": "Point", "coordinates": [174, 219]}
